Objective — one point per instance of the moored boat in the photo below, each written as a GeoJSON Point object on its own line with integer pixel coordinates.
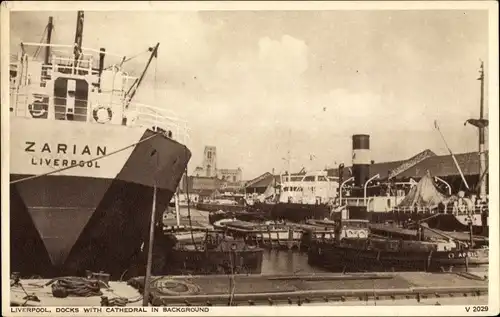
{"type": "Point", "coordinates": [381, 253]}
{"type": "Point", "coordinates": [226, 202]}
{"type": "Point", "coordinates": [85, 159]}
{"type": "Point", "coordinates": [215, 254]}
{"type": "Point", "coordinates": [382, 199]}
{"type": "Point", "coordinates": [215, 216]}
{"type": "Point", "coordinates": [301, 197]}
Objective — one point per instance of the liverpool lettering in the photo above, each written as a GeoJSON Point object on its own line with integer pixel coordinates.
{"type": "Point", "coordinates": [62, 148]}
{"type": "Point", "coordinates": [64, 162]}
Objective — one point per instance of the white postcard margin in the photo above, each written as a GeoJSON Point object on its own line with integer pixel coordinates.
{"type": "Point", "coordinates": [493, 85]}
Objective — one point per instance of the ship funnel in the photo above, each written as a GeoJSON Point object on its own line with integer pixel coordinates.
{"type": "Point", "coordinates": [361, 159]}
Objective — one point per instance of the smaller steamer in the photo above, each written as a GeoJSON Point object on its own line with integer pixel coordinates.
{"type": "Point", "coordinates": [358, 249]}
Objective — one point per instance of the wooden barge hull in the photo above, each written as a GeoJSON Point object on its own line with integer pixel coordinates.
{"type": "Point", "coordinates": [339, 259]}
{"type": "Point", "coordinates": [208, 262]}
{"type": "Point", "coordinates": [213, 217]}
{"type": "Point", "coordinates": [292, 211]}
{"type": "Point", "coordinates": [216, 207]}
{"type": "Point", "coordinates": [442, 221]}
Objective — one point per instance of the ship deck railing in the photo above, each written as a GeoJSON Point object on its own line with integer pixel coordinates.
{"type": "Point", "coordinates": [137, 114]}
{"type": "Point", "coordinates": [362, 202]}
{"type": "Point", "coordinates": [476, 210]}
{"type": "Point", "coordinates": [63, 61]}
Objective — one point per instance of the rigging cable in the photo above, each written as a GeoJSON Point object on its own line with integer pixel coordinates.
{"type": "Point", "coordinates": [41, 40]}
{"type": "Point", "coordinates": [124, 60]}
{"type": "Point", "coordinates": [84, 162]}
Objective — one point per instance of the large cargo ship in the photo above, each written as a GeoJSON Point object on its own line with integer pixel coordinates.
{"type": "Point", "coordinates": [85, 159]}
{"type": "Point", "coordinates": [406, 203]}
{"type": "Point", "coordinates": [377, 199]}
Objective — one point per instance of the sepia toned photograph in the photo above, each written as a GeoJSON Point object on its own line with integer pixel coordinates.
{"type": "Point", "coordinates": [173, 160]}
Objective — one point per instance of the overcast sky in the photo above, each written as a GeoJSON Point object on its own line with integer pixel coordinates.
{"type": "Point", "coordinates": [259, 83]}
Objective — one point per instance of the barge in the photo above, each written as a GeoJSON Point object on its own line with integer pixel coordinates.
{"type": "Point", "coordinates": [366, 251]}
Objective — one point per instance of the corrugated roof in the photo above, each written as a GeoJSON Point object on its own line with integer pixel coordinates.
{"type": "Point", "coordinates": [443, 165]}
{"type": "Point", "coordinates": [438, 165]}
{"type": "Point", "coordinates": [265, 179]}
{"type": "Point", "coordinates": [259, 180]}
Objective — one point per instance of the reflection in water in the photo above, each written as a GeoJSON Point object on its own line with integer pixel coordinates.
{"type": "Point", "coordinates": [287, 262]}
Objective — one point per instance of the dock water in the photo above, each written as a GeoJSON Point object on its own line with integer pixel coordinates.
{"type": "Point", "coordinates": [287, 279]}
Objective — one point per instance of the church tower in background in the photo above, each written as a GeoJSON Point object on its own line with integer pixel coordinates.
{"type": "Point", "coordinates": [210, 161]}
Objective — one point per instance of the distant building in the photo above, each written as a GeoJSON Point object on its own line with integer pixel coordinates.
{"type": "Point", "coordinates": [207, 179]}
{"type": "Point", "coordinates": [209, 168]}
{"type": "Point", "coordinates": [209, 165]}
{"type": "Point", "coordinates": [442, 166]}
{"type": "Point", "coordinates": [230, 175]}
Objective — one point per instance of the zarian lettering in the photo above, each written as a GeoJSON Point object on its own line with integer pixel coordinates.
{"type": "Point", "coordinates": [62, 148]}
{"type": "Point", "coordinates": [29, 147]}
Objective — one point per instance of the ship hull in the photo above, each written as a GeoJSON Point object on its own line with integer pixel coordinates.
{"type": "Point", "coordinates": [441, 221]}
{"type": "Point", "coordinates": [93, 216]}
{"type": "Point", "coordinates": [340, 259]}
{"type": "Point", "coordinates": [217, 207]}
{"type": "Point", "coordinates": [213, 217]}
{"type": "Point", "coordinates": [291, 211]}
{"type": "Point", "coordinates": [209, 262]}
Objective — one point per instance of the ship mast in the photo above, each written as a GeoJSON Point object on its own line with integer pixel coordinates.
{"type": "Point", "coordinates": [50, 26]}
{"type": "Point", "coordinates": [481, 124]}
{"type": "Point", "coordinates": [482, 154]}
{"type": "Point", "coordinates": [78, 37]}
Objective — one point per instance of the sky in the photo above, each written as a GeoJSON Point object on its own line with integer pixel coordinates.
{"type": "Point", "coordinates": [257, 84]}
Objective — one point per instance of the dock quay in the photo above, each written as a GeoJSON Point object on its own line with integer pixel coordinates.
{"type": "Point", "coordinates": [223, 290]}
